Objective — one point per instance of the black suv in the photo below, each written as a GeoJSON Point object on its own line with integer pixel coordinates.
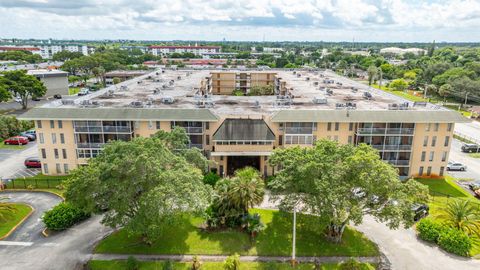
{"type": "Point", "coordinates": [420, 210]}
{"type": "Point", "coordinates": [470, 148]}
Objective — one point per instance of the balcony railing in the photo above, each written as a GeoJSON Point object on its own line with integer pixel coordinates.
{"type": "Point", "coordinates": [90, 145]}
{"type": "Point", "coordinates": [382, 131]}
{"type": "Point", "coordinates": [399, 162]}
{"type": "Point", "coordinates": [298, 130]}
{"type": "Point", "coordinates": [105, 129]}
{"type": "Point", "coordinates": [199, 146]}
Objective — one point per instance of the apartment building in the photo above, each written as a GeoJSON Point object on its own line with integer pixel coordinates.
{"type": "Point", "coordinates": [31, 49]}
{"type": "Point", "coordinates": [197, 50]}
{"type": "Point", "coordinates": [238, 131]}
{"type": "Point", "coordinates": [47, 51]}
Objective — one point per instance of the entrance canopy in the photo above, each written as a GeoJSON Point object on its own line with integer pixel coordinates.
{"type": "Point", "coordinates": [216, 154]}
{"type": "Point", "coordinates": [244, 130]}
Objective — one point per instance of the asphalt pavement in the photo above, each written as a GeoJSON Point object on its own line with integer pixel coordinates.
{"type": "Point", "coordinates": [473, 164]}
{"type": "Point", "coordinates": [11, 161]}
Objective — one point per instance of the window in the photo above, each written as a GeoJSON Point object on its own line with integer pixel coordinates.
{"type": "Point", "coordinates": [436, 127]}
{"type": "Point", "coordinates": [429, 170]}
{"type": "Point", "coordinates": [157, 123]}
{"type": "Point", "coordinates": [423, 155]}
{"type": "Point", "coordinates": [350, 126]}
{"type": "Point", "coordinates": [449, 126]}
{"type": "Point", "coordinates": [432, 154]}
{"type": "Point", "coordinates": [62, 138]}
{"type": "Point", "coordinates": [447, 141]}
{"type": "Point", "coordinates": [427, 127]}
{"type": "Point", "coordinates": [329, 126]}
{"type": "Point", "coordinates": [52, 124]}
{"type": "Point", "coordinates": [420, 171]}
{"type": "Point", "coordinates": [55, 153]}
{"type": "Point", "coordinates": [207, 125]}
{"type": "Point", "coordinates": [425, 141]}
{"type": "Point", "coordinates": [207, 139]}
{"type": "Point", "coordinates": [64, 153]}
{"type": "Point", "coordinates": [442, 170]}
{"type": "Point", "coordinates": [60, 124]}
{"type": "Point", "coordinates": [444, 156]}
{"type": "Point", "coordinates": [54, 138]}
{"type": "Point", "coordinates": [337, 126]}
{"type": "Point", "coordinates": [39, 124]}
{"type": "Point", "coordinates": [45, 168]}
{"type": "Point", "coordinates": [65, 168]}
{"type": "Point", "coordinates": [280, 139]}
{"type": "Point", "coordinates": [57, 167]}
{"type": "Point", "coordinates": [434, 141]}
{"type": "Point", "coordinates": [44, 153]}
{"type": "Point", "coordinates": [41, 139]}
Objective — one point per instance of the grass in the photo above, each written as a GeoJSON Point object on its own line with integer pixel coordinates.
{"type": "Point", "coordinates": [22, 211]}
{"type": "Point", "coordinates": [10, 146]}
{"type": "Point", "coordinates": [188, 238]}
{"type": "Point", "coordinates": [403, 94]}
{"type": "Point", "coordinates": [73, 90]}
{"type": "Point", "coordinates": [474, 155]}
{"type": "Point", "coordinates": [158, 265]}
{"type": "Point", "coordinates": [443, 190]}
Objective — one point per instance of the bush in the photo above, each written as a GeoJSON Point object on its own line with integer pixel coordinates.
{"type": "Point", "coordinates": [168, 265]}
{"type": "Point", "coordinates": [211, 178]}
{"type": "Point", "coordinates": [196, 264]}
{"type": "Point", "coordinates": [351, 264]}
{"type": "Point", "coordinates": [238, 93]}
{"type": "Point", "coordinates": [132, 263]}
{"type": "Point", "coordinates": [11, 126]}
{"type": "Point", "coordinates": [253, 224]}
{"type": "Point", "coordinates": [455, 241]}
{"type": "Point", "coordinates": [232, 262]}
{"type": "Point", "coordinates": [63, 216]}
{"type": "Point", "coordinates": [429, 230]}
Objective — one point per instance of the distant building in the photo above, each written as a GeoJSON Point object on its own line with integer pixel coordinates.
{"type": "Point", "coordinates": [56, 81]}
{"type": "Point", "coordinates": [197, 50]}
{"type": "Point", "coordinates": [272, 49]}
{"type": "Point", "coordinates": [123, 75]}
{"type": "Point", "coordinates": [47, 51]}
{"type": "Point", "coordinates": [31, 49]}
{"type": "Point", "coordinates": [400, 51]}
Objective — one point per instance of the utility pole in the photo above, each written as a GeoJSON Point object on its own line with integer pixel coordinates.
{"type": "Point", "coordinates": [294, 238]}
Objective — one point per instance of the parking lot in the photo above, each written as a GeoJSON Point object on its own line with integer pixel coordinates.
{"type": "Point", "coordinates": [11, 162]}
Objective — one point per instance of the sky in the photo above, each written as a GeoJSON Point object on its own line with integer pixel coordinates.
{"type": "Point", "coordinates": [244, 20]}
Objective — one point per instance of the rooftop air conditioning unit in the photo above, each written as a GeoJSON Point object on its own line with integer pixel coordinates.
{"type": "Point", "coordinates": [319, 100]}
{"type": "Point", "coordinates": [136, 104]}
{"type": "Point", "coordinates": [168, 100]}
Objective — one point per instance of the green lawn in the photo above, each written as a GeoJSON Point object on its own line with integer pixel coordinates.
{"type": "Point", "coordinates": [12, 147]}
{"type": "Point", "coordinates": [474, 155]}
{"type": "Point", "coordinates": [443, 190]}
{"type": "Point", "coordinates": [275, 240]}
{"type": "Point", "coordinates": [22, 211]}
{"type": "Point", "coordinates": [73, 90]}
{"type": "Point", "coordinates": [118, 265]}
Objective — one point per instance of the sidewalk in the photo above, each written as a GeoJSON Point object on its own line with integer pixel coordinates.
{"type": "Point", "coordinates": [221, 258]}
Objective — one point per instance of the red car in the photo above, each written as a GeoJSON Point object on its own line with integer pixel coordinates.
{"type": "Point", "coordinates": [32, 163]}
{"type": "Point", "coordinates": [18, 140]}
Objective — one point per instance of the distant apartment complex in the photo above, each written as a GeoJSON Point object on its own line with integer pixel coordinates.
{"type": "Point", "coordinates": [47, 51]}
{"type": "Point", "coordinates": [400, 51]}
{"type": "Point", "coordinates": [238, 131]}
{"type": "Point", "coordinates": [197, 50]}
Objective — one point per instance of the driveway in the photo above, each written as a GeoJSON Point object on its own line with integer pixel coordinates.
{"type": "Point", "coordinates": [27, 249]}
{"type": "Point", "coordinates": [30, 230]}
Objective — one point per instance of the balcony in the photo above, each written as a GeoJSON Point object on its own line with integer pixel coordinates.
{"type": "Point", "coordinates": [117, 129]}
{"type": "Point", "coordinates": [105, 129]}
{"type": "Point", "coordinates": [298, 130]}
{"type": "Point", "coordinates": [193, 145]}
{"type": "Point", "coordinates": [399, 162]}
{"type": "Point", "coordinates": [90, 145]}
{"type": "Point", "coordinates": [382, 131]}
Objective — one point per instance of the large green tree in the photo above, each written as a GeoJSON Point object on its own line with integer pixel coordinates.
{"type": "Point", "coordinates": [142, 183]}
{"type": "Point", "coordinates": [342, 184]}
{"type": "Point", "coordinates": [20, 84]}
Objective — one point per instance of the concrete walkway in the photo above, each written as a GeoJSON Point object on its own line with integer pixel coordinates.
{"type": "Point", "coordinates": [221, 258]}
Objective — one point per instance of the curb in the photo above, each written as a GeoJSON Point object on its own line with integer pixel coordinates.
{"type": "Point", "coordinates": [19, 223]}
{"type": "Point", "coordinates": [33, 190]}
{"type": "Point", "coordinates": [45, 233]}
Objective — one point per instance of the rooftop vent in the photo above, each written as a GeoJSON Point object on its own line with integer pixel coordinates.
{"type": "Point", "coordinates": [307, 78]}
{"type": "Point", "coordinates": [397, 106]}
{"type": "Point", "coordinates": [354, 90]}
{"type": "Point", "coordinates": [319, 100]}
{"type": "Point", "coordinates": [123, 88]}
{"type": "Point", "coordinates": [315, 83]}
{"type": "Point", "coordinates": [168, 100]}
{"type": "Point", "coordinates": [136, 104]}
{"type": "Point", "coordinates": [329, 92]}
{"type": "Point", "coordinates": [179, 77]}
{"type": "Point", "coordinates": [339, 83]}
{"type": "Point", "coordinates": [348, 105]}
{"type": "Point", "coordinates": [68, 101]}
{"type": "Point", "coordinates": [256, 104]}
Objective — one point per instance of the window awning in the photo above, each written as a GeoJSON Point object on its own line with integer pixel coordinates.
{"type": "Point", "coordinates": [244, 130]}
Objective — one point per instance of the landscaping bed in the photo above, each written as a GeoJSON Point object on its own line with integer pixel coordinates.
{"type": "Point", "coordinates": [114, 265]}
{"type": "Point", "coordinates": [22, 210]}
{"type": "Point", "coordinates": [275, 240]}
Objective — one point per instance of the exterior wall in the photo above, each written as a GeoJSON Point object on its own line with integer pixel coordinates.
{"type": "Point", "coordinates": [56, 85]}
{"type": "Point", "coordinates": [438, 150]}
{"type": "Point", "coordinates": [224, 83]}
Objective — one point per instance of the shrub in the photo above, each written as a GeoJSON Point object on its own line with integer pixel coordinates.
{"type": "Point", "coordinates": [196, 264]}
{"type": "Point", "coordinates": [238, 93]}
{"type": "Point", "coordinates": [351, 264]}
{"type": "Point", "coordinates": [232, 262]}
{"type": "Point", "coordinates": [455, 241]}
{"type": "Point", "coordinates": [168, 265]}
{"type": "Point", "coordinates": [253, 224]}
{"type": "Point", "coordinates": [211, 178]}
{"type": "Point", "coordinates": [429, 230]}
{"type": "Point", "coordinates": [63, 216]}
{"type": "Point", "coordinates": [132, 263]}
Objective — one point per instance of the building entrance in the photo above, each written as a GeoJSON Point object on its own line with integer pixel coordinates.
{"type": "Point", "coordinates": [238, 162]}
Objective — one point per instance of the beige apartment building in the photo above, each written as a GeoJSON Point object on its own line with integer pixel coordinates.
{"type": "Point", "coordinates": [238, 131]}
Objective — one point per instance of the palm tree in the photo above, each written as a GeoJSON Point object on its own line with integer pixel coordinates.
{"type": "Point", "coordinates": [462, 215]}
{"type": "Point", "coordinates": [247, 189]}
{"type": "Point", "coordinates": [6, 210]}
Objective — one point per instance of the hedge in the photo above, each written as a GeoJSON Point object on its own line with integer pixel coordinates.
{"type": "Point", "coordinates": [63, 216]}
{"type": "Point", "coordinates": [449, 239]}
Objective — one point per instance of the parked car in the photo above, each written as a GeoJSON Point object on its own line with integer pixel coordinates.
{"type": "Point", "coordinates": [83, 92]}
{"type": "Point", "coordinates": [35, 98]}
{"type": "Point", "coordinates": [456, 166]}
{"type": "Point", "coordinates": [32, 162]}
{"type": "Point", "coordinates": [30, 136]}
{"type": "Point", "coordinates": [470, 148]}
{"type": "Point", "coordinates": [57, 96]}
{"type": "Point", "coordinates": [17, 140]}
{"type": "Point", "coordinates": [421, 210]}
{"type": "Point", "coordinates": [31, 131]}
{"type": "Point", "coordinates": [474, 185]}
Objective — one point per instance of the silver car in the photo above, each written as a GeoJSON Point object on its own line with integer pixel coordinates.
{"type": "Point", "coordinates": [455, 166]}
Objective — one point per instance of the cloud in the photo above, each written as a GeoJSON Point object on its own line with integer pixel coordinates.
{"type": "Point", "coordinates": [301, 19]}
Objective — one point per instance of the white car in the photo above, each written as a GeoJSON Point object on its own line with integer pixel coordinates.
{"type": "Point", "coordinates": [455, 166]}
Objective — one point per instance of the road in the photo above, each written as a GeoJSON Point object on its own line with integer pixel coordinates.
{"type": "Point", "coordinates": [473, 164]}
{"type": "Point", "coordinates": [30, 230]}
{"type": "Point", "coordinates": [11, 161]}
{"type": "Point", "coordinates": [471, 130]}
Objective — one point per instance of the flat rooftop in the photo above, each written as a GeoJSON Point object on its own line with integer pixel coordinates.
{"type": "Point", "coordinates": [316, 95]}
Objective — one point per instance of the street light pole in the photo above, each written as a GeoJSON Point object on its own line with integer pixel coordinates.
{"type": "Point", "coordinates": [294, 238]}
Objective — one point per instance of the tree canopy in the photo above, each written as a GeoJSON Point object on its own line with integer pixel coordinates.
{"type": "Point", "coordinates": [20, 84]}
{"type": "Point", "coordinates": [342, 184]}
